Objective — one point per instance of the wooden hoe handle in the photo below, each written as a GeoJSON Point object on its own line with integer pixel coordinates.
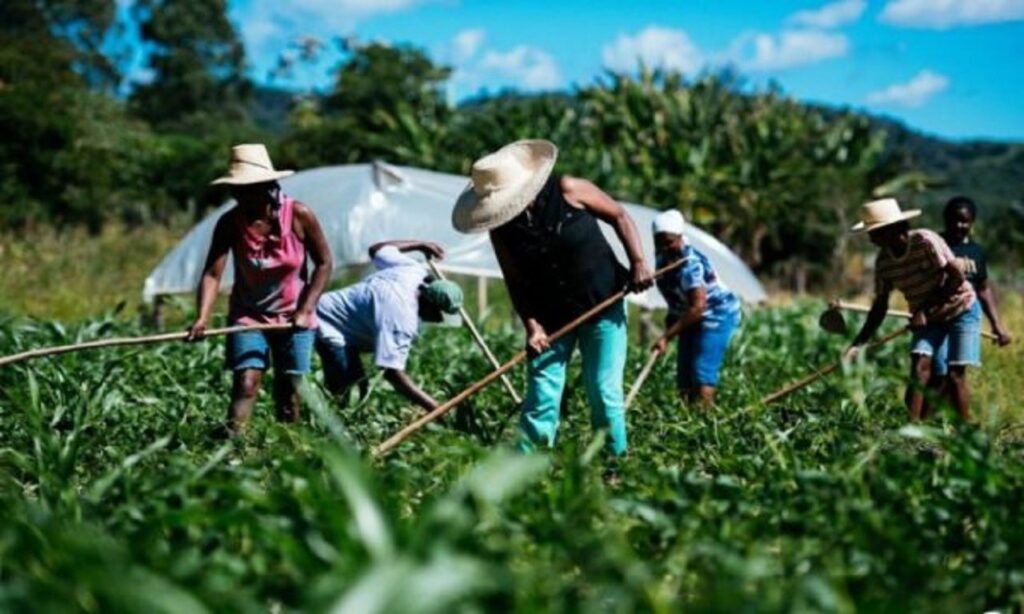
{"type": "Point", "coordinates": [119, 341]}
{"type": "Point", "coordinates": [391, 442]}
{"type": "Point", "coordinates": [820, 373]}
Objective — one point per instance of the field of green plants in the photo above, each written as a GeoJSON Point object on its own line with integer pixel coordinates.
{"type": "Point", "coordinates": [116, 496]}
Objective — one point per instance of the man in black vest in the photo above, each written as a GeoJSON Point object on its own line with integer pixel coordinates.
{"type": "Point", "coordinates": [557, 265]}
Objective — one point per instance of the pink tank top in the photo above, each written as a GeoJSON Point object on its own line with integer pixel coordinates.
{"type": "Point", "coordinates": [269, 270]}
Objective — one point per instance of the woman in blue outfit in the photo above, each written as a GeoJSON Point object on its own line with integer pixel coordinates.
{"type": "Point", "coordinates": [557, 265]}
{"type": "Point", "coordinates": [702, 312]}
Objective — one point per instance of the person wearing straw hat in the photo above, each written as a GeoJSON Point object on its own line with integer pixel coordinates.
{"type": "Point", "coordinates": [270, 237]}
{"type": "Point", "coordinates": [702, 312]}
{"type": "Point", "coordinates": [942, 302]}
{"type": "Point", "coordinates": [382, 314]}
{"type": "Point", "coordinates": [557, 265]}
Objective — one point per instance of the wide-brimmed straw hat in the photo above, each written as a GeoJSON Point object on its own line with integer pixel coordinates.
{"type": "Point", "coordinates": [879, 213]}
{"type": "Point", "coordinates": [503, 183]}
{"type": "Point", "coordinates": [250, 164]}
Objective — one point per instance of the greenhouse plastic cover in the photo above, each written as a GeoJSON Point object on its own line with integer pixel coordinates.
{"type": "Point", "coordinates": [361, 204]}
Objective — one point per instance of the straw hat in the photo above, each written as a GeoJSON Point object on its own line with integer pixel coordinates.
{"type": "Point", "coordinates": [250, 164]}
{"type": "Point", "coordinates": [879, 213]}
{"type": "Point", "coordinates": [503, 184]}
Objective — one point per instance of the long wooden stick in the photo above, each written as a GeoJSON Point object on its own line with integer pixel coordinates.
{"type": "Point", "coordinates": [892, 312]}
{"type": "Point", "coordinates": [646, 371]}
{"type": "Point", "coordinates": [391, 442]}
{"type": "Point", "coordinates": [119, 341]}
{"type": "Point", "coordinates": [820, 373]}
{"type": "Point", "coordinates": [473, 332]}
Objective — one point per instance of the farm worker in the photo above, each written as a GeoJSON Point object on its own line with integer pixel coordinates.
{"type": "Point", "coordinates": [959, 216]}
{"type": "Point", "coordinates": [270, 237]}
{"type": "Point", "coordinates": [557, 265]}
{"type": "Point", "coordinates": [942, 302]}
{"type": "Point", "coordinates": [382, 314]}
{"type": "Point", "coordinates": [702, 312]}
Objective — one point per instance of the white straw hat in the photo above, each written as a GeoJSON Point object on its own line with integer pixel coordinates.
{"type": "Point", "coordinates": [250, 164]}
{"type": "Point", "coordinates": [879, 213]}
{"type": "Point", "coordinates": [502, 184]}
{"type": "Point", "coordinates": [671, 222]}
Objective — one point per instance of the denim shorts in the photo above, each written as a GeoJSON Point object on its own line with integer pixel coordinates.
{"type": "Point", "coordinates": [955, 342]}
{"type": "Point", "coordinates": [343, 367]}
{"type": "Point", "coordinates": [289, 349]}
{"type": "Point", "coordinates": [702, 350]}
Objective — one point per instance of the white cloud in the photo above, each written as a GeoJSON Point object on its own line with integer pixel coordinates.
{"type": "Point", "coordinates": [791, 48]}
{"type": "Point", "coordinates": [466, 43]}
{"type": "Point", "coordinates": [913, 93]}
{"type": "Point", "coordinates": [942, 14]}
{"type": "Point", "coordinates": [528, 67]}
{"type": "Point", "coordinates": [831, 15]}
{"type": "Point", "coordinates": [656, 48]}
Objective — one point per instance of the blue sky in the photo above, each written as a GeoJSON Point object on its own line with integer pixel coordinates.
{"type": "Point", "coordinates": [948, 67]}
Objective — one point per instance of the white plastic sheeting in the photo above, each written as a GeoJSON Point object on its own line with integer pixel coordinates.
{"type": "Point", "coordinates": [361, 204]}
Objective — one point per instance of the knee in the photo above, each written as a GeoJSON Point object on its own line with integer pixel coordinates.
{"type": "Point", "coordinates": [922, 370]}
{"type": "Point", "coordinates": [247, 386]}
{"type": "Point", "coordinates": [957, 374]}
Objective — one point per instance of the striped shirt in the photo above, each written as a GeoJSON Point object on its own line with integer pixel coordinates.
{"type": "Point", "coordinates": [696, 272]}
{"type": "Point", "coordinates": [918, 274]}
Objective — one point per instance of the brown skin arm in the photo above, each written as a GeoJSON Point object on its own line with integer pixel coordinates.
{"type": "Point", "coordinates": [879, 306]}
{"type": "Point", "coordinates": [308, 229]}
{"type": "Point", "coordinates": [401, 381]}
{"type": "Point", "coordinates": [583, 193]}
{"type": "Point", "coordinates": [697, 299]}
{"type": "Point", "coordinates": [987, 297]}
{"type": "Point", "coordinates": [536, 336]}
{"type": "Point", "coordinates": [209, 283]}
{"type": "Point", "coordinates": [427, 248]}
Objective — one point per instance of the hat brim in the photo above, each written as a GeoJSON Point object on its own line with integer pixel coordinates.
{"type": "Point", "coordinates": [904, 216]}
{"type": "Point", "coordinates": [253, 178]}
{"type": "Point", "coordinates": [473, 214]}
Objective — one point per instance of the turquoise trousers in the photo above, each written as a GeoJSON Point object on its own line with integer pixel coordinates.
{"type": "Point", "coordinates": [603, 345]}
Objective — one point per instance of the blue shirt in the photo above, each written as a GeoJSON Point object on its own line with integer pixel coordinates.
{"type": "Point", "coordinates": [696, 272]}
{"type": "Point", "coordinates": [379, 314]}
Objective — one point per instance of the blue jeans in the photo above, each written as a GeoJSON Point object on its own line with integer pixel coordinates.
{"type": "Point", "coordinates": [956, 342]}
{"type": "Point", "coordinates": [343, 368]}
{"type": "Point", "coordinates": [602, 343]}
{"type": "Point", "coordinates": [701, 350]}
{"type": "Point", "coordinates": [254, 349]}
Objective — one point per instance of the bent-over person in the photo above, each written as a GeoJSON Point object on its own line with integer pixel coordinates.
{"type": "Point", "coordinates": [381, 315]}
{"type": "Point", "coordinates": [557, 265]}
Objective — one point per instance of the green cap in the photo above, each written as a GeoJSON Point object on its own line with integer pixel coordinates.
{"type": "Point", "coordinates": [445, 295]}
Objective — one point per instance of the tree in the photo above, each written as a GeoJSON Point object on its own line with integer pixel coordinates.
{"type": "Point", "coordinates": [197, 64]}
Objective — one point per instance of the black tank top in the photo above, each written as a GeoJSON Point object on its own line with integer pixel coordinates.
{"type": "Point", "coordinates": [560, 250]}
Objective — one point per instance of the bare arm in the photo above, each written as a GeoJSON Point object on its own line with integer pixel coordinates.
{"type": "Point", "coordinates": [209, 283]}
{"type": "Point", "coordinates": [320, 254]}
{"type": "Point", "coordinates": [697, 299]}
{"type": "Point", "coordinates": [988, 304]}
{"type": "Point", "coordinates": [428, 248]}
{"type": "Point", "coordinates": [581, 192]}
{"type": "Point", "coordinates": [875, 318]}
{"type": "Point", "coordinates": [408, 388]}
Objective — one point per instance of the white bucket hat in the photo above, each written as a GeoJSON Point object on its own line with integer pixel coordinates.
{"type": "Point", "coordinates": [879, 213]}
{"type": "Point", "coordinates": [250, 164]}
{"type": "Point", "coordinates": [671, 222]}
{"type": "Point", "coordinates": [502, 184]}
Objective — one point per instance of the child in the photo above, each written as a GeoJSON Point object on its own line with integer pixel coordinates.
{"type": "Point", "coordinates": [703, 313]}
{"type": "Point", "coordinates": [945, 310]}
{"type": "Point", "coordinates": [959, 215]}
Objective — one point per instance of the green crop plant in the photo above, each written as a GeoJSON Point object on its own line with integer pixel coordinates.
{"type": "Point", "coordinates": [117, 496]}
